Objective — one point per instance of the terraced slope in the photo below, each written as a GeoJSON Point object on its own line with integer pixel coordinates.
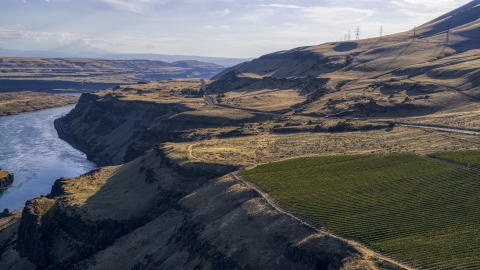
{"type": "Point", "coordinates": [414, 208]}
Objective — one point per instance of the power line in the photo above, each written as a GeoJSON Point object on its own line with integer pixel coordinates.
{"type": "Point", "coordinates": [357, 33]}
{"type": "Point", "coordinates": [381, 32]}
{"type": "Point", "coordinates": [348, 35]}
{"type": "Point", "coordinates": [448, 35]}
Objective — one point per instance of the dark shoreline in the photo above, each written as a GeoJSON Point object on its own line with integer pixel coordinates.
{"type": "Point", "coordinates": [11, 85]}
{"type": "Point", "coordinates": [94, 157]}
{"type": "Point", "coordinates": [6, 181]}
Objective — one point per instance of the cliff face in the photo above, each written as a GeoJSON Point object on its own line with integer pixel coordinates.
{"type": "Point", "coordinates": [147, 214]}
{"type": "Point", "coordinates": [106, 125]}
{"type": "Point", "coordinates": [120, 130]}
{"type": "Point", "coordinates": [6, 179]}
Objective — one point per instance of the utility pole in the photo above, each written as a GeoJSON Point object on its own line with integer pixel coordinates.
{"type": "Point", "coordinates": [414, 31]}
{"type": "Point", "coordinates": [357, 33]}
{"type": "Point", "coordinates": [348, 35]}
{"type": "Point", "coordinates": [381, 32]}
{"type": "Point", "coordinates": [345, 37]}
{"type": "Point", "coordinates": [448, 35]}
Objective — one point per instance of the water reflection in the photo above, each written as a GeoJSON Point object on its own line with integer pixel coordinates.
{"type": "Point", "coordinates": [31, 149]}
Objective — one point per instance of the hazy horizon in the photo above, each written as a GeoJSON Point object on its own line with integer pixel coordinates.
{"type": "Point", "coordinates": [218, 28]}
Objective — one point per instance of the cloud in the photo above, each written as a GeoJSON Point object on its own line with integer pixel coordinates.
{"type": "Point", "coordinates": [280, 6]}
{"type": "Point", "coordinates": [133, 6]}
{"type": "Point", "coordinates": [220, 13]}
{"type": "Point", "coordinates": [10, 35]}
{"type": "Point", "coordinates": [238, 27]}
{"type": "Point", "coordinates": [340, 14]}
{"type": "Point", "coordinates": [427, 7]}
{"type": "Point", "coordinates": [136, 6]}
{"type": "Point", "coordinates": [323, 14]}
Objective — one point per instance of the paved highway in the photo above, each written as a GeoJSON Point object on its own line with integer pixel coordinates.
{"type": "Point", "coordinates": [453, 130]}
{"type": "Point", "coordinates": [208, 99]}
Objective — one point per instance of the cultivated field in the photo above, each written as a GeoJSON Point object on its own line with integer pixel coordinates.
{"type": "Point", "coordinates": [415, 208]}
{"type": "Point", "coordinates": [467, 157]}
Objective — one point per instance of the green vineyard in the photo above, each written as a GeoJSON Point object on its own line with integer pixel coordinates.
{"type": "Point", "coordinates": [416, 209]}
{"type": "Point", "coordinates": [467, 157]}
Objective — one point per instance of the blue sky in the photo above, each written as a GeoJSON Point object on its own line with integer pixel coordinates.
{"type": "Point", "coordinates": [247, 28]}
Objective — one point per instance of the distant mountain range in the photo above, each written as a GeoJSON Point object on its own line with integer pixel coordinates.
{"type": "Point", "coordinates": [76, 50]}
{"type": "Point", "coordinates": [45, 74]}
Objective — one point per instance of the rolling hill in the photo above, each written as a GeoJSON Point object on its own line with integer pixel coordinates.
{"type": "Point", "coordinates": [430, 71]}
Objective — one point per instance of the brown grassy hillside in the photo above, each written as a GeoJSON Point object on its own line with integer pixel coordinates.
{"type": "Point", "coordinates": [395, 76]}
{"type": "Point", "coordinates": [18, 102]}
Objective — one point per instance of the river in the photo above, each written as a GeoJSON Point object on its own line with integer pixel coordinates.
{"type": "Point", "coordinates": [31, 149]}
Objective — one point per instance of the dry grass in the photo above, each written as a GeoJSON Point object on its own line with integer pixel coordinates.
{"type": "Point", "coordinates": [159, 92]}
{"type": "Point", "coordinates": [265, 147]}
{"type": "Point", "coordinates": [263, 100]}
{"type": "Point", "coordinates": [3, 174]}
{"type": "Point", "coordinates": [18, 102]}
{"type": "Point", "coordinates": [465, 120]}
{"type": "Point", "coordinates": [77, 192]}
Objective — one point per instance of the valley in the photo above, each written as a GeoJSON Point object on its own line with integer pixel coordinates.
{"type": "Point", "coordinates": [174, 151]}
{"type": "Point", "coordinates": [320, 157]}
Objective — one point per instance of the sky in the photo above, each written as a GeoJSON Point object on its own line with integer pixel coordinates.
{"type": "Point", "coordinates": [221, 28]}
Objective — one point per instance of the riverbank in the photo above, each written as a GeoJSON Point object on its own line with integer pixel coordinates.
{"type": "Point", "coordinates": [6, 179]}
{"type": "Point", "coordinates": [97, 159]}
{"type": "Point", "coordinates": [13, 103]}
{"type": "Point", "coordinates": [33, 151]}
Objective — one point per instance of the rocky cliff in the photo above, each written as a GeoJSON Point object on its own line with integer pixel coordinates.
{"type": "Point", "coordinates": [6, 179]}
{"type": "Point", "coordinates": [123, 124]}
{"type": "Point", "coordinates": [107, 125]}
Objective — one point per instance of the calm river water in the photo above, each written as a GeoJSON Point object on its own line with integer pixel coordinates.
{"type": "Point", "coordinates": [31, 149]}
